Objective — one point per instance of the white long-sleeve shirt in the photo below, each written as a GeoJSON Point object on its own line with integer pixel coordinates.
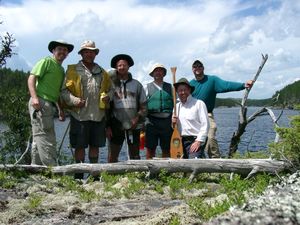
{"type": "Point", "coordinates": [193, 118]}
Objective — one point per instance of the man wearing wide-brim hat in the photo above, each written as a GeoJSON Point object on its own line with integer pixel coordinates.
{"type": "Point", "coordinates": [89, 45]}
{"type": "Point", "coordinates": [87, 90]}
{"type": "Point", "coordinates": [117, 58]}
{"type": "Point", "coordinates": [192, 120]}
{"type": "Point", "coordinates": [160, 107]}
{"type": "Point", "coordinates": [44, 83]}
{"type": "Point", "coordinates": [128, 109]}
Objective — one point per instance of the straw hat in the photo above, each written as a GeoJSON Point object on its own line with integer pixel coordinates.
{"type": "Point", "coordinates": [88, 44]}
{"type": "Point", "coordinates": [155, 66]}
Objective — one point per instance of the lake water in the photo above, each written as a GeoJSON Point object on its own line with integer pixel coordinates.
{"type": "Point", "coordinates": [259, 133]}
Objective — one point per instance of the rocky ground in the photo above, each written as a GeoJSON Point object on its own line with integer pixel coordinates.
{"type": "Point", "coordinates": [66, 208]}
{"type": "Point", "coordinates": [279, 204]}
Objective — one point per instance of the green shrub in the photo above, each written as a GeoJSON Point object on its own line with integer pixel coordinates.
{"type": "Point", "coordinates": [237, 191]}
{"type": "Point", "coordinates": [297, 106]}
{"type": "Point", "coordinates": [289, 145]}
{"type": "Point", "coordinates": [206, 211]}
{"type": "Point", "coordinates": [175, 220]}
{"type": "Point", "coordinates": [14, 98]}
{"type": "Point", "coordinates": [34, 201]}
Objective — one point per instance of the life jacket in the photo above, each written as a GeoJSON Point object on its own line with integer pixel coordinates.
{"type": "Point", "coordinates": [73, 82]}
{"type": "Point", "coordinates": [159, 100]}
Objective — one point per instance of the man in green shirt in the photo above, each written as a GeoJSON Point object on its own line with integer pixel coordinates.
{"type": "Point", "coordinates": [44, 84]}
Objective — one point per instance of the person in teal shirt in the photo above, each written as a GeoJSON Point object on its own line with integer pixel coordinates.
{"type": "Point", "coordinates": [206, 89]}
{"type": "Point", "coordinates": [44, 84]}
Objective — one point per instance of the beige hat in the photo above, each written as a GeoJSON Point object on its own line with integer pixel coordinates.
{"type": "Point", "coordinates": [157, 65]}
{"type": "Point", "coordinates": [88, 44]}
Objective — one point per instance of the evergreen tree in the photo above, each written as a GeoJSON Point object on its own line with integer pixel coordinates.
{"type": "Point", "coordinates": [14, 113]}
{"type": "Point", "coordinates": [289, 95]}
{"type": "Point", "coordinates": [13, 107]}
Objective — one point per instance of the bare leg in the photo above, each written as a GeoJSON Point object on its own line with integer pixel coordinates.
{"type": "Point", "coordinates": [134, 151]}
{"type": "Point", "coordinates": [93, 157]}
{"type": "Point", "coordinates": [150, 153]}
{"type": "Point", "coordinates": [93, 154]}
{"type": "Point", "coordinates": [113, 152]}
{"type": "Point", "coordinates": [79, 158]}
{"type": "Point", "coordinates": [165, 153]}
{"type": "Point", "coordinates": [79, 155]}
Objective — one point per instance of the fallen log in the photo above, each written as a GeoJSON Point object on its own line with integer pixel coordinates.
{"type": "Point", "coordinates": [244, 167]}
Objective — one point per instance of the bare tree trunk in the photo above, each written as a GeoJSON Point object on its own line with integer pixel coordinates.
{"type": "Point", "coordinates": [235, 140]}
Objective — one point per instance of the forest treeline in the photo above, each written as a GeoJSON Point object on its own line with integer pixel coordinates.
{"type": "Point", "coordinates": [287, 97]}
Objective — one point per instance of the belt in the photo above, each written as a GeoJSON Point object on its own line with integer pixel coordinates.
{"type": "Point", "coordinates": [189, 138]}
{"type": "Point", "coordinates": [165, 116]}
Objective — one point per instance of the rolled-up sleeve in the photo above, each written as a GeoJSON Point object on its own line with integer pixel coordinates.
{"type": "Point", "coordinates": [67, 96]}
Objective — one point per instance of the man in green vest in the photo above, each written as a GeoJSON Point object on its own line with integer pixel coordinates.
{"type": "Point", "coordinates": [159, 117]}
{"type": "Point", "coordinates": [44, 83]}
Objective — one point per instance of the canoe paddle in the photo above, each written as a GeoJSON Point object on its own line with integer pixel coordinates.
{"type": "Point", "coordinates": [176, 150]}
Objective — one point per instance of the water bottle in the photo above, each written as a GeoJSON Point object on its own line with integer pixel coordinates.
{"type": "Point", "coordinates": [142, 140]}
{"type": "Point", "coordinates": [130, 136]}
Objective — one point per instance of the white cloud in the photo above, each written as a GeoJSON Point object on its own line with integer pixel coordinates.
{"type": "Point", "coordinates": [228, 36]}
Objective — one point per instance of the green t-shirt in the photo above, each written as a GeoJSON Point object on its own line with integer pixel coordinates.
{"type": "Point", "coordinates": [50, 75]}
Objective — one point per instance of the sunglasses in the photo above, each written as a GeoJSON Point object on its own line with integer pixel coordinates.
{"type": "Point", "coordinates": [197, 66]}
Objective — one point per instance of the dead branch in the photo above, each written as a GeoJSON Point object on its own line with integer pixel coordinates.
{"type": "Point", "coordinates": [247, 90]}
{"type": "Point", "coordinates": [235, 140]}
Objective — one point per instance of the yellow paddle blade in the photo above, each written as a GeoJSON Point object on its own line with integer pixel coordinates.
{"type": "Point", "coordinates": [176, 150]}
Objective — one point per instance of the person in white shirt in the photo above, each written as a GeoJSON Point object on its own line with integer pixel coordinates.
{"type": "Point", "coordinates": [191, 119]}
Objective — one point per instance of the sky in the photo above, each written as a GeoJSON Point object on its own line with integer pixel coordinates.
{"type": "Point", "coordinates": [228, 36]}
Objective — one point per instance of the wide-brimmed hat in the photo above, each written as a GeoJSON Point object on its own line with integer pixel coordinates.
{"type": "Point", "coordinates": [125, 57]}
{"type": "Point", "coordinates": [53, 44]}
{"type": "Point", "coordinates": [183, 81]}
{"type": "Point", "coordinates": [88, 44]}
{"type": "Point", "coordinates": [155, 66]}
